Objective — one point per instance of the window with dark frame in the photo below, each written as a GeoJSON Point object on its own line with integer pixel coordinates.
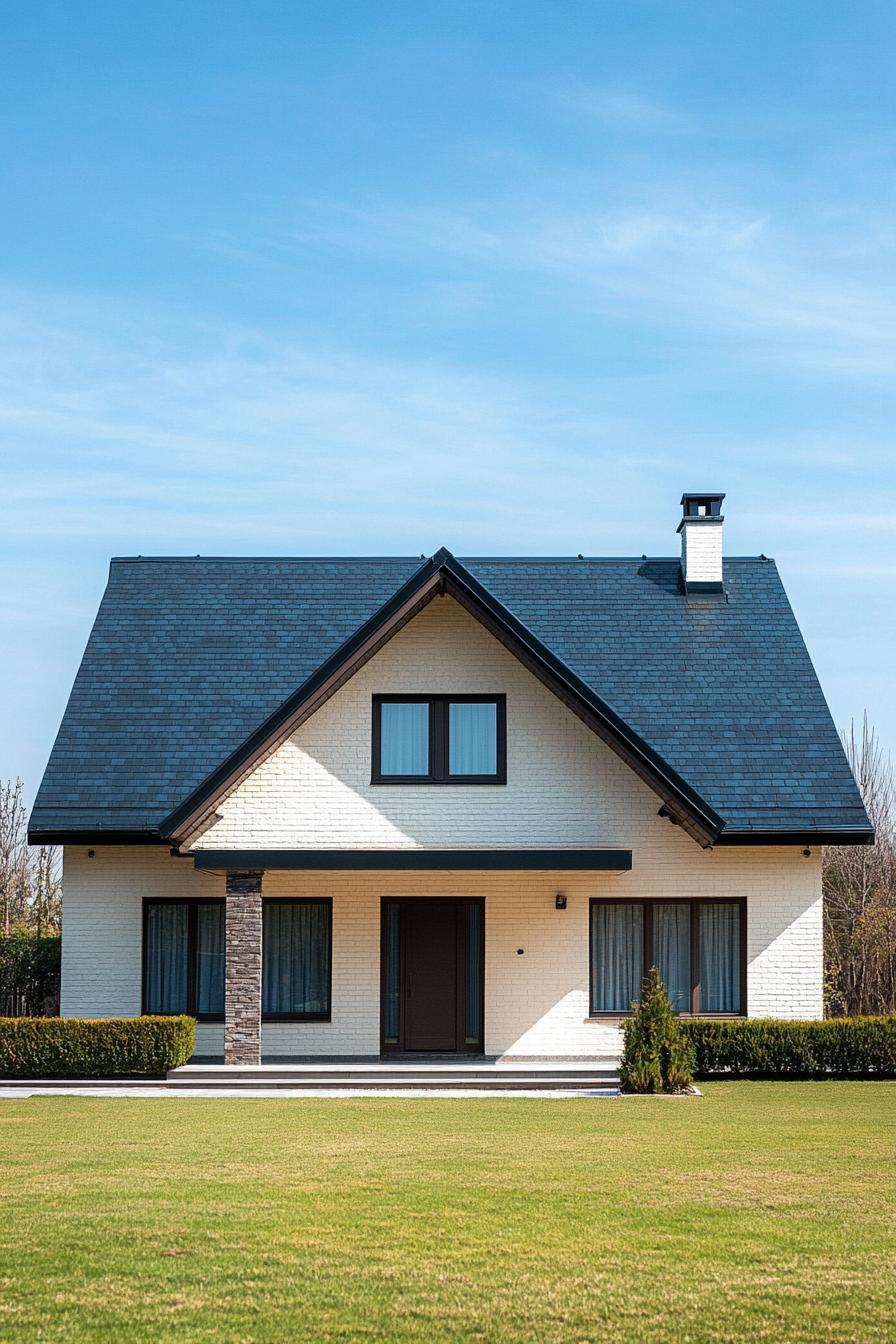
{"type": "Point", "coordinates": [183, 959]}
{"type": "Point", "coordinates": [698, 947]}
{"type": "Point", "coordinates": [439, 739]}
{"type": "Point", "coordinates": [296, 960]}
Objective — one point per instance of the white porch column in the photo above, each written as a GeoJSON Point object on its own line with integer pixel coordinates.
{"type": "Point", "coordinates": [242, 969]}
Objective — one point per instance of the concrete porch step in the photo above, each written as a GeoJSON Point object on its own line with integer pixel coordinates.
{"type": "Point", "coordinates": [533, 1076]}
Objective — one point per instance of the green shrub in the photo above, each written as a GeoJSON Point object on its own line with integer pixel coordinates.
{"type": "Point", "coordinates": [29, 975]}
{"type": "Point", "coordinates": [657, 1056]}
{"type": "Point", "coordinates": [74, 1047]}
{"type": "Point", "coordinates": [845, 1047]}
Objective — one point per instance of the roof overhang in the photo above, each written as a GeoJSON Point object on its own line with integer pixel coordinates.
{"type": "Point", "coordinates": [831, 836]}
{"type": "Point", "coordinates": [444, 575]}
{"type": "Point", "coordinates": [419, 860]}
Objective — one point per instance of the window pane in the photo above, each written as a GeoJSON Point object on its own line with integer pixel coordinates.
{"type": "Point", "coordinates": [672, 951]}
{"type": "Point", "coordinates": [617, 955]}
{"type": "Point", "coordinates": [166, 958]}
{"type": "Point", "coordinates": [472, 739]}
{"type": "Point", "coordinates": [210, 959]}
{"type": "Point", "coordinates": [404, 739]}
{"type": "Point", "coordinates": [295, 957]}
{"type": "Point", "coordinates": [391, 1014]}
{"type": "Point", "coordinates": [473, 1002]}
{"type": "Point", "coordinates": [720, 959]}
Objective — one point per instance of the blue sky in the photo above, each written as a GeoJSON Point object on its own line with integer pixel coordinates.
{"type": "Point", "coordinates": [508, 277]}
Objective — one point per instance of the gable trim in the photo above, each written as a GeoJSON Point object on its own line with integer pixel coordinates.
{"type": "Point", "coordinates": [442, 574]}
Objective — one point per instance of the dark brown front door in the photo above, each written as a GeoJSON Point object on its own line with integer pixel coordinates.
{"type": "Point", "coordinates": [431, 975]}
{"type": "Point", "coordinates": [433, 966]}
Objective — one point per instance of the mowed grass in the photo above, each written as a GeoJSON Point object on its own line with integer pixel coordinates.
{"type": "Point", "coordinates": [758, 1212]}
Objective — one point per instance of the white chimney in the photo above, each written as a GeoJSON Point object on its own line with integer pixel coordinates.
{"type": "Point", "coordinates": [701, 543]}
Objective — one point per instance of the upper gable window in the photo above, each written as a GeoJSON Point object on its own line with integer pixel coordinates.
{"type": "Point", "coordinates": [439, 739]}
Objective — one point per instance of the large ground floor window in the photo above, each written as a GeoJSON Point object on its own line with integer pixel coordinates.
{"type": "Point", "coordinates": [698, 947]}
{"type": "Point", "coordinates": [183, 959]}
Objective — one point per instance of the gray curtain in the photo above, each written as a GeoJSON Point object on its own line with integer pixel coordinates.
{"type": "Point", "coordinates": [472, 739]}
{"type": "Point", "coordinates": [719, 958]}
{"type": "Point", "coordinates": [392, 1010]}
{"type": "Point", "coordinates": [672, 951]}
{"type": "Point", "coordinates": [473, 1002]}
{"type": "Point", "coordinates": [617, 955]}
{"type": "Point", "coordinates": [296, 957]}
{"type": "Point", "coordinates": [210, 959]}
{"type": "Point", "coordinates": [404, 739]}
{"type": "Point", "coordinates": [166, 958]}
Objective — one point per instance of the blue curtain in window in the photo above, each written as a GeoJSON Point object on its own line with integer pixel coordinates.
{"type": "Point", "coordinates": [719, 958]}
{"type": "Point", "coordinates": [210, 959]}
{"type": "Point", "coordinates": [472, 739]}
{"type": "Point", "coordinates": [404, 739]}
{"type": "Point", "coordinates": [473, 994]}
{"type": "Point", "coordinates": [617, 955]}
{"type": "Point", "coordinates": [167, 933]}
{"type": "Point", "coordinates": [295, 957]}
{"type": "Point", "coordinates": [672, 951]}
{"type": "Point", "coordinates": [392, 972]}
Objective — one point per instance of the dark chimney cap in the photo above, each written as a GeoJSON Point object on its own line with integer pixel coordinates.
{"type": "Point", "coordinates": [702, 504]}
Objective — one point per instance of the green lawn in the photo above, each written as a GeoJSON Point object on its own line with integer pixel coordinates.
{"type": "Point", "coordinates": [760, 1212]}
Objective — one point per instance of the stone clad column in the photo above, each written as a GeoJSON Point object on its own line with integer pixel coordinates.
{"type": "Point", "coordinates": [242, 969]}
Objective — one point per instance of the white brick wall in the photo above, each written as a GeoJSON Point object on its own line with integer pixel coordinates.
{"type": "Point", "coordinates": [701, 552]}
{"type": "Point", "coordinates": [535, 1004]}
{"type": "Point", "coordinates": [565, 788]}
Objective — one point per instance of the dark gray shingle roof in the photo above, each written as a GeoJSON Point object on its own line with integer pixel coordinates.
{"type": "Point", "coordinates": [188, 656]}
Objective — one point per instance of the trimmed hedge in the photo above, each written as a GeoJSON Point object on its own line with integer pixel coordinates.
{"type": "Point", "coordinates": [74, 1047]}
{"type": "Point", "coordinates": [843, 1047]}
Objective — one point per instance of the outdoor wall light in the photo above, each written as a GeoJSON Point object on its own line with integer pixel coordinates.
{"type": "Point", "coordinates": [559, 901]}
{"type": "Point", "coordinates": [91, 853]}
{"type": "Point", "coordinates": [807, 853]}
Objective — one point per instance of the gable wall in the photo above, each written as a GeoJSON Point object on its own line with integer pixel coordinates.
{"type": "Point", "coordinates": [564, 788]}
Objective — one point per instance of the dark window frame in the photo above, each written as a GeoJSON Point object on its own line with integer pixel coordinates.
{"type": "Point", "coordinates": [303, 900]}
{"type": "Point", "coordinates": [438, 739]}
{"type": "Point", "coordinates": [648, 902]}
{"type": "Point", "coordinates": [192, 903]}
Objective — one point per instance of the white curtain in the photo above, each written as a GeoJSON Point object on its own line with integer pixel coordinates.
{"type": "Point", "coordinates": [295, 975]}
{"type": "Point", "coordinates": [210, 959]}
{"type": "Point", "coordinates": [472, 739]}
{"type": "Point", "coordinates": [719, 958]}
{"type": "Point", "coordinates": [617, 955]}
{"type": "Point", "coordinates": [672, 951]}
{"type": "Point", "coordinates": [404, 738]}
{"type": "Point", "coordinates": [166, 958]}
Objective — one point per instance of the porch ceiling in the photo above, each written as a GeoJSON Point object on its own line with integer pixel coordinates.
{"type": "Point", "coordinates": [420, 860]}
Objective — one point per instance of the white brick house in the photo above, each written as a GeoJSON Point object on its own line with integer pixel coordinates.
{"type": "Point", "coordinates": [345, 808]}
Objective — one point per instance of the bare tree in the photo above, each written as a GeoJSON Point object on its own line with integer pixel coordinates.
{"type": "Point", "coordinates": [860, 893]}
{"type": "Point", "coordinates": [30, 885]}
{"type": "Point", "coordinates": [13, 853]}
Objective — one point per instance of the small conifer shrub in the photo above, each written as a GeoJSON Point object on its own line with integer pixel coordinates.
{"type": "Point", "coordinates": [657, 1055]}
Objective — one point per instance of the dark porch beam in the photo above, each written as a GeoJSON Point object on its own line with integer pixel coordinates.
{"type": "Point", "coordinates": [420, 860]}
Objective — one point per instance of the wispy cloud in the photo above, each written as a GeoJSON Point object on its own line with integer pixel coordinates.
{"type": "Point", "coordinates": [615, 106]}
